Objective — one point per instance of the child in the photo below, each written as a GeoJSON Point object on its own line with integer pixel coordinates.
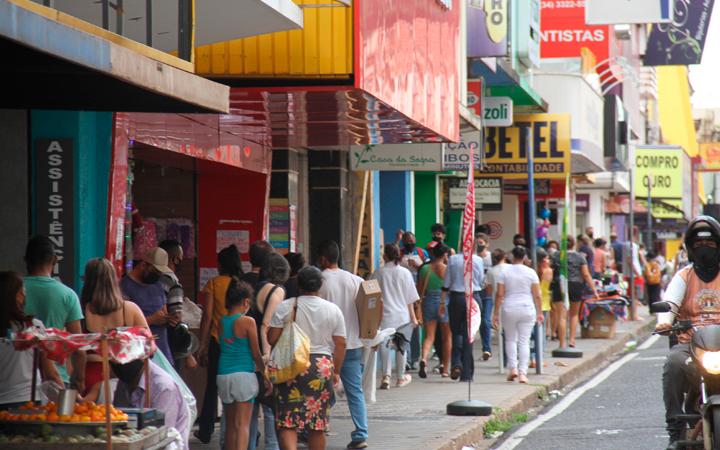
{"type": "Point", "coordinates": [240, 357]}
{"type": "Point", "coordinates": [653, 277]}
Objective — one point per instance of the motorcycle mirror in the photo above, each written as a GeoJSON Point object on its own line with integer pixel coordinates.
{"type": "Point", "coordinates": [660, 307]}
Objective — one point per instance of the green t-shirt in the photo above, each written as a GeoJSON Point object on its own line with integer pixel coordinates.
{"type": "Point", "coordinates": [54, 304]}
{"type": "Point", "coordinates": [434, 283]}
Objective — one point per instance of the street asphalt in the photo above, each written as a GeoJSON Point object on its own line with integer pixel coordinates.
{"type": "Point", "coordinates": [625, 411]}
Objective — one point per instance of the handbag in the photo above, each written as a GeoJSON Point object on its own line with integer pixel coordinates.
{"type": "Point", "coordinates": [291, 355]}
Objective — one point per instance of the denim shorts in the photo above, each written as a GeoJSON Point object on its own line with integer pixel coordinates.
{"type": "Point", "coordinates": [431, 307]}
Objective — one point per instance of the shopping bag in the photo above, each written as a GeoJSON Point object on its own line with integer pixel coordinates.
{"type": "Point", "coordinates": [291, 355]}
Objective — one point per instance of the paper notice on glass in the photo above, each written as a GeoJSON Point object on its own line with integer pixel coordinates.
{"type": "Point", "coordinates": [225, 238]}
{"type": "Point", "coordinates": [206, 274]}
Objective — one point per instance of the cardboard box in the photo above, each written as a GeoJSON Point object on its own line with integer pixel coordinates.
{"type": "Point", "coordinates": [369, 307]}
{"type": "Point", "coordinates": [602, 325]}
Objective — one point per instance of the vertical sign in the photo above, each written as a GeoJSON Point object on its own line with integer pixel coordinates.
{"type": "Point", "coordinates": [468, 248]}
{"type": "Point", "coordinates": [54, 201]}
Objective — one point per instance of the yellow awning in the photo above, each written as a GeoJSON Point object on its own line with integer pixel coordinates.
{"type": "Point", "coordinates": [676, 118]}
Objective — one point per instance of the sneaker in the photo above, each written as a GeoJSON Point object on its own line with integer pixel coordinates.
{"type": "Point", "coordinates": [385, 382]}
{"type": "Point", "coordinates": [486, 356]}
{"type": "Point", "coordinates": [675, 435]}
{"type": "Point", "coordinates": [455, 373]}
{"type": "Point", "coordinates": [357, 444]}
{"type": "Point", "coordinates": [404, 381]}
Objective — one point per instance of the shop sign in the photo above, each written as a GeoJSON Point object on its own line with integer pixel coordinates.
{"type": "Point", "coordinates": [497, 112]}
{"type": "Point", "coordinates": [487, 28]}
{"type": "Point", "coordinates": [54, 202]}
{"type": "Point", "coordinates": [474, 96]}
{"type": "Point", "coordinates": [528, 37]}
{"type": "Point", "coordinates": [582, 202]}
{"type": "Point", "coordinates": [488, 193]}
{"type": "Point", "coordinates": [400, 157]}
{"type": "Point", "coordinates": [605, 12]}
{"type": "Point", "coordinates": [680, 42]}
{"type": "Point", "coordinates": [662, 169]}
{"type": "Point", "coordinates": [710, 156]}
{"type": "Point", "coordinates": [542, 187]}
{"type": "Point", "coordinates": [547, 134]}
{"type": "Point", "coordinates": [564, 33]}
{"type": "Point", "coordinates": [457, 156]}
{"type": "Point", "coordinates": [665, 209]}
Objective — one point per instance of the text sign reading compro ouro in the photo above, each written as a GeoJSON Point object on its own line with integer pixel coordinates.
{"type": "Point", "coordinates": [547, 134]}
{"type": "Point", "coordinates": [660, 168]}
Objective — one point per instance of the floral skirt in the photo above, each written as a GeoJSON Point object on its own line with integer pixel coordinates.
{"type": "Point", "coordinates": [305, 402]}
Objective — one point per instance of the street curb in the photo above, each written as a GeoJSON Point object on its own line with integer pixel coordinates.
{"type": "Point", "coordinates": [475, 432]}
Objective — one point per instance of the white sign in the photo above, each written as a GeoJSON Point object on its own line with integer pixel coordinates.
{"type": "Point", "coordinates": [488, 191]}
{"type": "Point", "coordinates": [401, 157]}
{"type": "Point", "coordinates": [456, 156]}
{"type": "Point", "coordinates": [226, 238]}
{"type": "Point", "coordinates": [603, 12]}
{"type": "Point", "coordinates": [498, 112]}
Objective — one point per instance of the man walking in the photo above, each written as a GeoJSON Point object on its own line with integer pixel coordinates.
{"type": "Point", "coordinates": [53, 303]}
{"type": "Point", "coordinates": [341, 288]}
{"type": "Point", "coordinates": [141, 286]}
{"type": "Point", "coordinates": [175, 296]}
{"type": "Point", "coordinates": [486, 305]}
{"type": "Point", "coordinates": [463, 364]}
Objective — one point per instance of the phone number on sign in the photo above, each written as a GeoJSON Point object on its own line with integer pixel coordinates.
{"type": "Point", "coordinates": [560, 4]}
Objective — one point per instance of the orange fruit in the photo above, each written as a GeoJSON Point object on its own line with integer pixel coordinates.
{"type": "Point", "coordinates": [52, 417]}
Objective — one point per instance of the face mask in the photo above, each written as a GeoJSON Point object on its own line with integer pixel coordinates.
{"type": "Point", "coordinates": [481, 248]}
{"type": "Point", "coordinates": [127, 372]}
{"type": "Point", "coordinates": [151, 278]}
{"type": "Point", "coordinates": [707, 256]}
{"type": "Point", "coordinates": [409, 246]}
{"type": "Point", "coordinates": [437, 239]}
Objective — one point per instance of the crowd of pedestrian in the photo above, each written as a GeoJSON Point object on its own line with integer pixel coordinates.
{"type": "Point", "coordinates": [244, 314]}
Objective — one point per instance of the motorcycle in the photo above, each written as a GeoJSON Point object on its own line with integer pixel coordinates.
{"type": "Point", "coordinates": [703, 424]}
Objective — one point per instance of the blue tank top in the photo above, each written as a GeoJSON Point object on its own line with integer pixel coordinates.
{"type": "Point", "coordinates": [235, 354]}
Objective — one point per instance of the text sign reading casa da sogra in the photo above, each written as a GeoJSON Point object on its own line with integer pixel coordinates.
{"type": "Point", "coordinates": [547, 134]}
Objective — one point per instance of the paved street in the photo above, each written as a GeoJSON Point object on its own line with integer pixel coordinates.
{"type": "Point", "coordinates": [414, 417]}
{"type": "Point", "coordinates": [625, 411]}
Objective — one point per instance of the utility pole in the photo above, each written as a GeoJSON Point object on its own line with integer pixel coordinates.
{"type": "Point", "coordinates": [649, 213]}
{"type": "Point", "coordinates": [630, 257]}
{"type": "Point", "coordinates": [539, 329]}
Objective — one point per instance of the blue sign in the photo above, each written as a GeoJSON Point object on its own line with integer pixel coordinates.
{"type": "Point", "coordinates": [680, 42]}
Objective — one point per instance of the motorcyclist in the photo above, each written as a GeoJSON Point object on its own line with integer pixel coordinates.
{"type": "Point", "coordinates": [694, 293]}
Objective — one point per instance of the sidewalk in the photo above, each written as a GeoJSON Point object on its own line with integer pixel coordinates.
{"type": "Point", "coordinates": [413, 418]}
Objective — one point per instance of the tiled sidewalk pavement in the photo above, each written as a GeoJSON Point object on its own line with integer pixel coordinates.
{"type": "Point", "coordinates": [413, 418]}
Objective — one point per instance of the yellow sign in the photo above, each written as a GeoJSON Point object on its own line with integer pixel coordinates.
{"type": "Point", "coordinates": [710, 154]}
{"type": "Point", "coordinates": [547, 134]}
{"type": "Point", "coordinates": [661, 169]}
{"type": "Point", "coordinates": [665, 209]}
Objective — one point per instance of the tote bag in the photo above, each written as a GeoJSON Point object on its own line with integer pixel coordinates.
{"type": "Point", "coordinates": [291, 355]}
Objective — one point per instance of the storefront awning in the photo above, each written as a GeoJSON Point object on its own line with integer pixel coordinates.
{"type": "Point", "coordinates": [505, 82]}
{"type": "Point", "coordinates": [57, 61]}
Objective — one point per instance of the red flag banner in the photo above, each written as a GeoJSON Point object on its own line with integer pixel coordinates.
{"type": "Point", "coordinates": [468, 233]}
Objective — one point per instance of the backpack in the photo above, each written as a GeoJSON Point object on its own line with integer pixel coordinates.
{"type": "Point", "coordinates": [652, 273]}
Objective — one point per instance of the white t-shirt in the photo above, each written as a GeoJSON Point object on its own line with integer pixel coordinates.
{"type": "Point", "coordinates": [341, 288]}
{"type": "Point", "coordinates": [518, 280]}
{"type": "Point", "coordinates": [318, 318]}
{"type": "Point", "coordinates": [398, 291]}
{"type": "Point", "coordinates": [492, 277]}
{"type": "Point", "coordinates": [16, 371]}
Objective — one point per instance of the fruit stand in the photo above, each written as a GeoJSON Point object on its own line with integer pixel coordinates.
{"type": "Point", "coordinates": [87, 425]}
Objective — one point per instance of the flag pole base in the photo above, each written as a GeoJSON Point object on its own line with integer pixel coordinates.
{"type": "Point", "coordinates": [567, 352]}
{"type": "Point", "coordinates": [469, 408]}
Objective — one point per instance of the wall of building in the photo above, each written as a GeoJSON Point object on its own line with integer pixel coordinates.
{"type": "Point", "coordinates": [427, 198]}
{"type": "Point", "coordinates": [396, 204]}
{"type": "Point", "coordinates": [507, 219]}
{"type": "Point", "coordinates": [15, 183]}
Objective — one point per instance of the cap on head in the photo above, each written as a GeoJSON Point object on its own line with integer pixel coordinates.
{"type": "Point", "coordinates": [158, 258]}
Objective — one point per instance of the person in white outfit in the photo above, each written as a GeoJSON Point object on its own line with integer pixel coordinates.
{"type": "Point", "coordinates": [399, 295]}
{"type": "Point", "coordinates": [518, 297]}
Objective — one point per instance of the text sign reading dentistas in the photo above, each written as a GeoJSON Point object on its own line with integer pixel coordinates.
{"type": "Point", "coordinates": [54, 202]}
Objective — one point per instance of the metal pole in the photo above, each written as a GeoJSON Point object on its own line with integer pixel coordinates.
{"type": "Point", "coordinates": [630, 258]}
{"type": "Point", "coordinates": [538, 330]}
{"type": "Point", "coordinates": [184, 29]}
{"type": "Point", "coordinates": [119, 16]}
{"type": "Point", "coordinates": [148, 23]}
{"type": "Point", "coordinates": [649, 213]}
{"type": "Point", "coordinates": [106, 14]}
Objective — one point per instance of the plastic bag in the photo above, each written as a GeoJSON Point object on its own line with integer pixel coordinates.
{"type": "Point", "coordinates": [162, 361]}
{"type": "Point", "coordinates": [291, 355]}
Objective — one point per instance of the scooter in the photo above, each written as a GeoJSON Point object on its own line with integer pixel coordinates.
{"type": "Point", "coordinates": [705, 356]}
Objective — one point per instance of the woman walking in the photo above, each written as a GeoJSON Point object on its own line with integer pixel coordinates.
{"type": "Point", "coordinates": [578, 277]}
{"type": "Point", "coordinates": [430, 281]}
{"type": "Point", "coordinates": [240, 357]}
{"type": "Point", "coordinates": [212, 298]}
{"type": "Point", "coordinates": [399, 296]}
{"type": "Point", "coordinates": [304, 402]}
{"type": "Point", "coordinates": [518, 298]}
{"type": "Point", "coordinates": [105, 309]}
{"type": "Point", "coordinates": [545, 274]}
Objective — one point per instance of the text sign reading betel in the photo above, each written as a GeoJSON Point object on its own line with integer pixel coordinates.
{"type": "Point", "coordinates": [660, 168]}
{"type": "Point", "coordinates": [547, 134]}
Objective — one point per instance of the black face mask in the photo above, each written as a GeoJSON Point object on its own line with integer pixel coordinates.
{"type": "Point", "coordinates": [409, 247]}
{"type": "Point", "coordinates": [706, 263]}
{"type": "Point", "coordinates": [151, 278]}
{"type": "Point", "coordinates": [437, 239]}
{"type": "Point", "coordinates": [481, 248]}
{"type": "Point", "coordinates": [128, 373]}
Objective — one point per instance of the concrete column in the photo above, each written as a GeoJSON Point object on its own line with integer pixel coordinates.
{"type": "Point", "coordinates": [328, 201]}
{"type": "Point", "coordinates": [15, 183]}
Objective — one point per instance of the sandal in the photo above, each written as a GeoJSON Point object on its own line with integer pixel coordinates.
{"type": "Point", "coordinates": [512, 375]}
{"type": "Point", "coordinates": [444, 374]}
{"type": "Point", "coordinates": [522, 378]}
{"type": "Point", "coordinates": [421, 372]}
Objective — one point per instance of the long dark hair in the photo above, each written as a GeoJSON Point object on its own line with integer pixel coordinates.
{"type": "Point", "coordinates": [237, 292]}
{"type": "Point", "coordinates": [11, 283]}
{"type": "Point", "coordinates": [229, 261]}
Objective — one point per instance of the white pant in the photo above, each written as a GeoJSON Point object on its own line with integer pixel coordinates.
{"type": "Point", "coordinates": [385, 358]}
{"type": "Point", "coordinates": [518, 324]}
